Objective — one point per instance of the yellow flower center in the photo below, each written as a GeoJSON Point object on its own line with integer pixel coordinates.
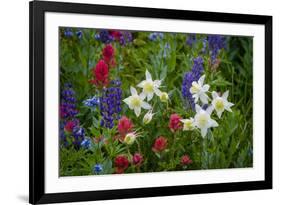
{"type": "Point", "coordinates": [219, 104]}
{"type": "Point", "coordinates": [202, 120]}
{"type": "Point", "coordinates": [136, 102]}
{"type": "Point", "coordinates": [148, 87]}
{"type": "Point", "coordinates": [188, 124]}
{"type": "Point", "coordinates": [195, 88]}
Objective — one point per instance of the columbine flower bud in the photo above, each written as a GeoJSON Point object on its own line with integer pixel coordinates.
{"type": "Point", "coordinates": [148, 117]}
{"type": "Point", "coordinates": [164, 97]}
{"type": "Point", "coordinates": [130, 138]}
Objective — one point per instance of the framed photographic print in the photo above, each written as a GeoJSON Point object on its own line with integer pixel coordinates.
{"type": "Point", "coordinates": [140, 102]}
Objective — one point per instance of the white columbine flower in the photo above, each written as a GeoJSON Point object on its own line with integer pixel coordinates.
{"type": "Point", "coordinates": [188, 124]}
{"type": "Point", "coordinates": [198, 90]}
{"type": "Point", "coordinates": [220, 103]}
{"type": "Point", "coordinates": [148, 117]}
{"type": "Point", "coordinates": [203, 120]}
{"type": "Point", "coordinates": [135, 102]}
{"type": "Point", "coordinates": [149, 86]}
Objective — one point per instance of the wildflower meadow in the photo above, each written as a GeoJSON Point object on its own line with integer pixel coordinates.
{"type": "Point", "coordinates": [136, 102]}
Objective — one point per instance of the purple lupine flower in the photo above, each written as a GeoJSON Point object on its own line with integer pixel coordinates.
{"type": "Point", "coordinates": [97, 168]}
{"type": "Point", "coordinates": [191, 39]}
{"type": "Point", "coordinates": [92, 102]}
{"type": "Point", "coordinates": [79, 135]}
{"type": "Point", "coordinates": [166, 51]}
{"type": "Point", "coordinates": [68, 122]}
{"type": "Point", "coordinates": [79, 34]}
{"type": "Point", "coordinates": [86, 143]}
{"type": "Point", "coordinates": [62, 136]}
{"type": "Point", "coordinates": [203, 50]}
{"type": "Point", "coordinates": [68, 32]}
{"type": "Point", "coordinates": [155, 36]}
{"type": "Point", "coordinates": [67, 105]}
{"type": "Point", "coordinates": [105, 36]}
{"type": "Point", "coordinates": [125, 38]}
{"type": "Point", "coordinates": [216, 43]}
{"type": "Point", "coordinates": [97, 36]}
{"type": "Point", "coordinates": [189, 77]}
{"type": "Point", "coordinates": [110, 104]}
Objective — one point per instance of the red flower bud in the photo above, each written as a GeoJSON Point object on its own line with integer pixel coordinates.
{"type": "Point", "coordinates": [137, 159]}
{"type": "Point", "coordinates": [175, 123]}
{"type": "Point", "coordinates": [125, 125]}
{"type": "Point", "coordinates": [160, 144]}
{"type": "Point", "coordinates": [115, 34]}
{"type": "Point", "coordinates": [70, 125]}
{"type": "Point", "coordinates": [108, 53]}
{"type": "Point", "coordinates": [121, 163]}
{"type": "Point", "coordinates": [185, 160]}
{"type": "Point", "coordinates": [100, 73]}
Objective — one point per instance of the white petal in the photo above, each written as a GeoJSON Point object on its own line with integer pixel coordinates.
{"type": "Point", "coordinates": [147, 75]}
{"type": "Point", "coordinates": [204, 132]}
{"type": "Point", "coordinates": [194, 83]}
{"type": "Point", "coordinates": [157, 83]}
{"type": "Point", "coordinates": [127, 100]}
{"type": "Point", "coordinates": [213, 123]}
{"type": "Point", "coordinates": [157, 91]}
{"type": "Point", "coordinates": [184, 120]}
{"type": "Point", "coordinates": [201, 80]}
{"type": "Point", "coordinates": [205, 88]}
{"type": "Point", "coordinates": [145, 105]}
{"type": "Point", "coordinates": [210, 109]}
{"type": "Point", "coordinates": [225, 95]}
{"type": "Point", "coordinates": [204, 98]}
{"type": "Point", "coordinates": [195, 96]}
{"type": "Point", "coordinates": [215, 94]}
{"type": "Point", "coordinates": [137, 111]}
{"type": "Point", "coordinates": [197, 108]}
{"type": "Point", "coordinates": [228, 106]}
{"type": "Point", "coordinates": [141, 84]}
{"type": "Point", "coordinates": [228, 109]}
{"type": "Point", "coordinates": [133, 90]}
{"type": "Point", "coordinates": [149, 96]}
{"type": "Point", "coordinates": [219, 113]}
{"type": "Point", "coordinates": [142, 96]}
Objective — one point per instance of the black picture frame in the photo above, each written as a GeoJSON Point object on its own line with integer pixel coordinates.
{"type": "Point", "coordinates": [37, 10]}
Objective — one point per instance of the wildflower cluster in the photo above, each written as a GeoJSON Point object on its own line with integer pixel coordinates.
{"type": "Point", "coordinates": [108, 36]}
{"type": "Point", "coordinates": [216, 43]}
{"type": "Point", "coordinates": [101, 70]}
{"type": "Point", "coordinates": [156, 104]}
{"type": "Point", "coordinates": [155, 36]}
{"type": "Point", "coordinates": [70, 131]}
{"type": "Point", "coordinates": [149, 88]}
{"type": "Point", "coordinates": [69, 33]}
{"type": "Point", "coordinates": [202, 119]}
{"type": "Point", "coordinates": [189, 78]}
{"type": "Point", "coordinates": [191, 39]}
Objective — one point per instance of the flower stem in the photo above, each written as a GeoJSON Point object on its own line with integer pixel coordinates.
{"type": "Point", "coordinates": [173, 148]}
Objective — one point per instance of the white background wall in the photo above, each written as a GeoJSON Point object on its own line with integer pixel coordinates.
{"type": "Point", "coordinates": [14, 100]}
